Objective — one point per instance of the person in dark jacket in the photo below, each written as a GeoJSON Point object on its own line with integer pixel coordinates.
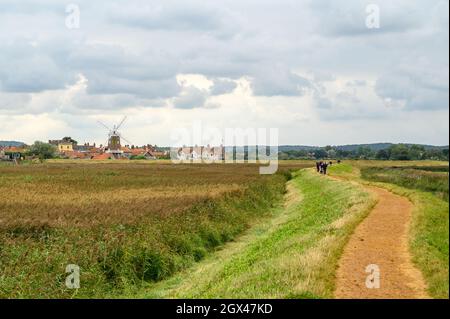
{"type": "Point", "coordinates": [324, 168]}
{"type": "Point", "coordinates": [318, 167]}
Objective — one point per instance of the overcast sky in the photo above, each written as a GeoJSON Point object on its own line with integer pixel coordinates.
{"type": "Point", "coordinates": [312, 69]}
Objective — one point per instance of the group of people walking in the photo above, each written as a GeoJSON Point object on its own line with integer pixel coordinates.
{"type": "Point", "coordinates": [322, 167]}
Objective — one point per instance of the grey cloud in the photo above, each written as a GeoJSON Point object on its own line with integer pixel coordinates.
{"type": "Point", "coordinates": [100, 102]}
{"type": "Point", "coordinates": [223, 86]}
{"type": "Point", "coordinates": [351, 105]}
{"type": "Point", "coordinates": [31, 6]}
{"type": "Point", "coordinates": [137, 49]}
{"type": "Point", "coordinates": [421, 85]}
{"type": "Point", "coordinates": [346, 107]}
{"type": "Point", "coordinates": [115, 61]}
{"type": "Point", "coordinates": [99, 83]}
{"type": "Point", "coordinates": [199, 16]}
{"type": "Point", "coordinates": [191, 97]}
{"type": "Point", "coordinates": [25, 67]}
{"type": "Point", "coordinates": [356, 83]}
{"type": "Point", "coordinates": [323, 103]}
{"type": "Point", "coordinates": [323, 76]}
{"type": "Point", "coordinates": [166, 17]}
{"type": "Point", "coordinates": [14, 102]}
{"type": "Point", "coordinates": [279, 81]}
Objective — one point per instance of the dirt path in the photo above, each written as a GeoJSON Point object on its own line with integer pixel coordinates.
{"type": "Point", "coordinates": [382, 240]}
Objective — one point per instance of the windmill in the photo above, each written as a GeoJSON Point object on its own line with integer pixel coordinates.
{"type": "Point", "coordinates": [114, 137]}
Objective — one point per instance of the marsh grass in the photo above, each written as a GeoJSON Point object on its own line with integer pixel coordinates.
{"type": "Point", "coordinates": [429, 179]}
{"type": "Point", "coordinates": [123, 224]}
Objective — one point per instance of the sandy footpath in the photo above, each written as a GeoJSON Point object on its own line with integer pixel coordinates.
{"type": "Point", "coordinates": [381, 240]}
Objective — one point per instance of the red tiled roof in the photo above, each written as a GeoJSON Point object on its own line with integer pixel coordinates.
{"type": "Point", "coordinates": [138, 151]}
{"type": "Point", "coordinates": [14, 149]}
{"type": "Point", "coordinates": [103, 156]}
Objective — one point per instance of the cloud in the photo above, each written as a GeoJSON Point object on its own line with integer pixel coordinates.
{"type": "Point", "coordinates": [279, 81]}
{"type": "Point", "coordinates": [100, 83]}
{"type": "Point", "coordinates": [27, 67]}
{"type": "Point", "coordinates": [223, 86]}
{"type": "Point", "coordinates": [190, 97]}
{"type": "Point", "coordinates": [419, 85]}
{"type": "Point", "coordinates": [171, 16]}
{"type": "Point", "coordinates": [356, 83]}
{"type": "Point", "coordinates": [13, 101]}
{"type": "Point", "coordinates": [311, 59]}
{"type": "Point", "coordinates": [341, 102]}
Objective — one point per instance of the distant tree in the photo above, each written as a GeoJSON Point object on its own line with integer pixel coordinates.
{"type": "Point", "coordinates": [394, 152]}
{"type": "Point", "coordinates": [293, 154]}
{"type": "Point", "coordinates": [399, 152]}
{"type": "Point", "coordinates": [382, 155]}
{"type": "Point", "coordinates": [343, 154]}
{"type": "Point", "coordinates": [42, 150]}
{"type": "Point", "coordinates": [331, 153]}
{"type": "Point", "coordinates": [283, 156]}
{"type": "Point", "coordinates": [417, 152]}
{"type": "Point", "coordinates": [436, 154]}
{"type": "Point", "coordinates": [320, 153]}
{"type": "Point", "coordinates": [445, 154]}
{"type": "Point", "coordinates": [365, 152]}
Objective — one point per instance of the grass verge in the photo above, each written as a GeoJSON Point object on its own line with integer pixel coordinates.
{"type": "Point", "coordinates": [428, 179]}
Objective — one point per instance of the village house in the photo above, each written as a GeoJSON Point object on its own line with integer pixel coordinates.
{"type": "Point", "coordinates": [201, 153]}
{"type": "Point", "coordinates": [69, 149]}
{"type": "Point", "coordinates": [86, 148]}
{"type": "Point", "coordinates": [64, 145]}
{"type": "Point", "coordinates": [2, 154]}
{"type": "Point", "coordinates": [12, 153]}
{"type": "Point", "coordinates": [148, 152]}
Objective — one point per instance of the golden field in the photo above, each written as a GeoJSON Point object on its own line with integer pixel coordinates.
{"type": "Point", "coordinates": [123, 223]}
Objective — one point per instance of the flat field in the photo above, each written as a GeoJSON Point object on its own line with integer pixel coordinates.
{"type": "Point", "coordinates": [122, 223]}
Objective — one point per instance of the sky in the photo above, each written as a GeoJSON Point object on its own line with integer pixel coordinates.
{"type": "Point", "coordinates": [322, 72]}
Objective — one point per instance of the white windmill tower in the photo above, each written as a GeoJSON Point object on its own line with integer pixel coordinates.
{"type": "Point", "coordinates": [114, 137]}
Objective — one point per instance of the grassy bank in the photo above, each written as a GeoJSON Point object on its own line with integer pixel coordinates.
{"type": "Point", "coordinates": [428, 179]}
{"type": "Point", "coordinates": [293, 254]}
{"type": "Point", "coordinates": [122, 224]}
{"type": "Point", "coordinates": [429, 239]}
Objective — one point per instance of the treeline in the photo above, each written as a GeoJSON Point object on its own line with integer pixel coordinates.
{"type": "Point", "coordinates": [401, 152]}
